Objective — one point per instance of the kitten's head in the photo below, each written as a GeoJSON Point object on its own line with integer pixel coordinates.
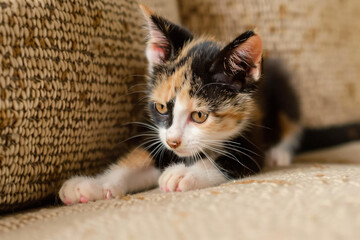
{"type": "Point", "coordinates": [200, 91]}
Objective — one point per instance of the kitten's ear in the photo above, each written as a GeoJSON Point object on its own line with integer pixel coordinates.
{"type": "Point", "coordinates": [240, 61]}
{"type": "Point", "coordinates": [165, 38]}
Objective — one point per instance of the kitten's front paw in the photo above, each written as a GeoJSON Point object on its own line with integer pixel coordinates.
{"type": "Point", "coordinates": [82, 190]}
{"type": "Point", "coordinates": [179, 178]}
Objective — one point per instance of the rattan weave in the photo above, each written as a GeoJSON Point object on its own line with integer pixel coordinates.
{"type": "Point", "coordinates": [67, 71]}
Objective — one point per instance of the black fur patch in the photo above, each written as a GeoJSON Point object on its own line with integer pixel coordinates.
{"type": "Point", "coordinates": [276, 96]}
{"type": "Point", "coordinates": [163, 120]}
{"type": "Point", "coordinates": [221, 71]}
{"type": "Point", "coordinates": [177, 35]}
{"type": "Point", "coordinates": [314, 139]}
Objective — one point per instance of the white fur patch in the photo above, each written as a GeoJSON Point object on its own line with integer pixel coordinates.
{"type": "Point", "coordinates": [181, 178]}
{"type": "Point", "coordinates": [114, 182]}
{"type": "Point", "coordinates": [282, 153]}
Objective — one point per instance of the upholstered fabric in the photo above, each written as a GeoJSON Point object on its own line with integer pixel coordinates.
{"type": "Point", "coordinates": [316, 198]}
{"type": "Point", "coordinates": [67, 76]}
{"type": "Point", "coordinates": [318, 40]}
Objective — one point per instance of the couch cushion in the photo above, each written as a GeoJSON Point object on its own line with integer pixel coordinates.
{"type": "Point", "coordinates": [67, 76]}
{"type": "Point", "coordinates": [316, 198]}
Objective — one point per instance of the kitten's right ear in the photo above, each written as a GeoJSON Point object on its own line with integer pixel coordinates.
{"type": "Point", "coordinates": [165, 39]}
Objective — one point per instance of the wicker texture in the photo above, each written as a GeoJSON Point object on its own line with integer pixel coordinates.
{"type": "Point", "coordinates": [318, 40]}
{"type": "Point", "coordinates": [66, 70]}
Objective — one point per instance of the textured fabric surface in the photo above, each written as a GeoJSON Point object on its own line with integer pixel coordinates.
{"type": "Point", "coordinates": [317, 39]}
{"type": "Point", "coordinates": [312, 199]}
{"type": "Point", "coordinates": [67, 71]}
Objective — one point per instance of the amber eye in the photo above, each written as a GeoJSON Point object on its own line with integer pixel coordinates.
{"type": "Point", "coordinates": [162, 109]}
{"type": "Point", "coordinates": [199, 116]}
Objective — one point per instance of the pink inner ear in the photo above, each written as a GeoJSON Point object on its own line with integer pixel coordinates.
{"type": "Point", "coordinates": [255, 45]}
{"type": "Point", "coordinates": [156, 54]}
{"type": "Point", "coordinates": [158, 50]}
{"type": "Point", "coordinates": [251, 49]}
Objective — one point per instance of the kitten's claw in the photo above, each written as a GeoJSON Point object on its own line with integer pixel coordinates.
{"type": "Point", "coordinates": [80, 190]}
{"type": "Point", "coordinates": [67, 201]}
{"type": "Point", "coordinates": [83, 199]}
{"type": "Point", "coordinates": [108, 194]}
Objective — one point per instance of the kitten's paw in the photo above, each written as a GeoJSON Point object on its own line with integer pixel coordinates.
{"type": "Point", "coordinates": [277, 157]}
{"type": "Point", "coordinates": [82, 190]}
{"type": "Point", "coordinates": [179, 178]}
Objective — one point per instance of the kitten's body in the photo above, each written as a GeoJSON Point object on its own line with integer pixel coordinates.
{"type": "Point", "coordinates": [218, 110]}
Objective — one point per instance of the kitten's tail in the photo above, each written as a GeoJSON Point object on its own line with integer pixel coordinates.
{"type": "Point", "coordinates": [313, 139]}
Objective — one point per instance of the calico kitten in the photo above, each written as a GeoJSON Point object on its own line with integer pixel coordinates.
{"type": "Point", "coordinates": [218, 110]}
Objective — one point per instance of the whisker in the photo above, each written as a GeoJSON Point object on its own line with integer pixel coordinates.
{"type": "Point", "coordinates": [224, 84]}
{"type": "Point", "coordinates": [198, 156]}
{"type": "Point", "coordinates": [139, 135]}
{"type": "Point", "coordinates": [146, 142]}
{"type": "Point", "coordinates": [245, 149]}
{"type": "Point", "coordinates": [214, 164]}
{"type": "Point", "coordinates": [261, 126]}
{"type": "Point", "coordinates": [157, 147]}
{"type": "Point", "coordinates": [251, 143]}
{"type": "Point", "coordinates": [142, 124]}
{"type": "Point", "coordinates": [229, 155]}
{"type": "Point", "coordinates": [142, 99]}
{"type": "Point", "coordinates": [136, 85]}
{"type": "Point", "coordinates": [230, 146]}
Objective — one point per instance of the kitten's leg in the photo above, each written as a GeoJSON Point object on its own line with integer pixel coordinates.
{"type": "Point", "coordinates": [134, 172]}
{"type": "Point", "coordinates": [282, 153]}
{"type": "Point", "coordinates": [181, 178]}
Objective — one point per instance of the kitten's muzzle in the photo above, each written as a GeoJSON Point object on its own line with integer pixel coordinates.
{"type": "Point", "coordinates": [173, 143]}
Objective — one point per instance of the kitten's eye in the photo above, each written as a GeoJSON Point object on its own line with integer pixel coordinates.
{"type": "Point", "coordinates": [199, 116]}
{"type": "Point", "coordinates": [162, 109]}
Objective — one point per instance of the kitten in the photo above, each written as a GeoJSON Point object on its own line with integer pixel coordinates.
{"type": "Point", "coordinates": [218, 110]}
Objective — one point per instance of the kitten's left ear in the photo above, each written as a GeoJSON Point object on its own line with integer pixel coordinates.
{"type": "Point", "coordinates": [240, 61]}
{"type": "Point", "coordinates": [166, 38]}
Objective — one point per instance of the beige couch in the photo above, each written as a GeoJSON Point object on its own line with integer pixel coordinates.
{"type": "Point", "coordinates": [68, 85]}
{"type": "Point", "coordinates": [315, 198]}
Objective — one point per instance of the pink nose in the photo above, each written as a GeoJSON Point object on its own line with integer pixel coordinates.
{"type": "Point", "coordinates": [173, 143]}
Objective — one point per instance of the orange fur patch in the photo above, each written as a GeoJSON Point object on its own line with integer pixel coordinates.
{"type": "Point", "coordinates": [138, 158]}
{"type": "Point", "coordinates": [166, 89]}
{"type": "Point", "coordinates": [288, 127]}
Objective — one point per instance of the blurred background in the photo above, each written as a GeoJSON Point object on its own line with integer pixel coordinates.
{"type": "Point", "coordinates": [318, 40]}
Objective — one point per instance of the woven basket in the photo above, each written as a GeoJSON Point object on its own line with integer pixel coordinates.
{"type": "Point", "coordinates": [319, 41]}
{"type": "Point", "coordinates": [66, 73]}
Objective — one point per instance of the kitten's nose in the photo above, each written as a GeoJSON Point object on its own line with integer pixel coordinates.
{"type": "Point", "coordinates": [173, 143]}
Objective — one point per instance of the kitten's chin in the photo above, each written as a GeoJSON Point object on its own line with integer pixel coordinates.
{"type": "Point", "coordinates": [183, 153]}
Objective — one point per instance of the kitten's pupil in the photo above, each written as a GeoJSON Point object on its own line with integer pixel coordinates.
{"type": "Point", "coordinates": [199, 114]}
